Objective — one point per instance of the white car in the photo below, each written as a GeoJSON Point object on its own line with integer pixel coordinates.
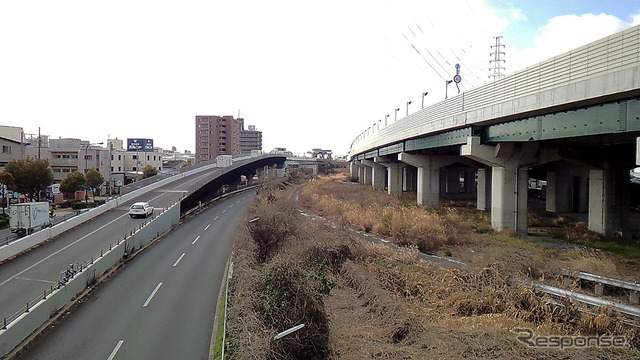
{"type": "Point", "coordinates": [142, 209]}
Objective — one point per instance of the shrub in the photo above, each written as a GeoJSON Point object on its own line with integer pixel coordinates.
{"type": "Point", "coordinates": [289, 299]}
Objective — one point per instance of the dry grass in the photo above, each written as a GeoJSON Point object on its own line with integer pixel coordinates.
{"type": "Point", "coordinates": [353, 206]}
{"type": "Point", "coordinates": [382, 303]}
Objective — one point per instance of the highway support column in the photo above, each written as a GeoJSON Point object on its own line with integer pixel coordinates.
{"type": "Point", "coordinates": [608, 205]}
{"type": "Point", "coordinates": [428, 175]}
{"type": "Point", "coordinates": [483, 199]}
{"type": "Point", "coordinates": [357, 170]}
{"type": "Point", "coordinates": [509, 182]}
{"type": "Point", "coordinates": [394, 174]}
{"type": "Point", "coordinates": [378, 173]}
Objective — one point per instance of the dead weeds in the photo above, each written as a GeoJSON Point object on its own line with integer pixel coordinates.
{"type": "Point", "coordinates": [382, 303]}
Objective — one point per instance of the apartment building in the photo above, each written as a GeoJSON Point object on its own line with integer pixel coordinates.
{"type": "Point", "coordinates": [224, 135]}
{"type": "Point", "coordinates": [250, 139]}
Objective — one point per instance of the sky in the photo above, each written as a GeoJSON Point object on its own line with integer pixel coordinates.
{"type": "Point", "coordinates": [308, 74]}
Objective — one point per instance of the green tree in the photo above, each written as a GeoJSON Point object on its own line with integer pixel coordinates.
{"type": "Point", "coordinates": [94, 180]}
{"type": "Point", "coordinates": [30, 176]}
{"type": "Point", "coordinates": [149, 171]}
{"type": "Point", "coordinates": [73, 182]}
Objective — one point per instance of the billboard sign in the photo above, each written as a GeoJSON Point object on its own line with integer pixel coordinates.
{"type": "Point", "coordinates": [139, 144]}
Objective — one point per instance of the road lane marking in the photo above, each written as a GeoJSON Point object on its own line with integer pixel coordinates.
{"type": "Point", "coordinates": [177, 261]}
{"type": "Point", "coordinates": [152, 294]}
{"type": "Point", "coordinates": [115, 350]}
{"type": "Point", "coordinates": [80, 239]}
{"type": "Point", "coordinates": [63, 249]}
{"type": "Point", "coordinates": [40, 280]}
{"type": "Point", "coordinates": [215, 218]}
{"type": "Point", "coordinates": [224, 211]}
{"type": "Point", "coordinates": [194, 241]}
{"type": "Point", "coordinates": [230, 206]}
{"type": "Point", "coordinates": [207, 228]}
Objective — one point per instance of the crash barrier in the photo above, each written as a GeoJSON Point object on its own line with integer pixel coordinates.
{"type": "Point", "coordinates": [16, 247]}
{"type": "Point", "coordinates": [75, 279]}
{"type": "Point", "coordinates": [600, 282]}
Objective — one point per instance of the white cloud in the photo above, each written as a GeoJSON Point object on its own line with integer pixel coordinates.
{"type": "Point", "coordinates": [564, 33]}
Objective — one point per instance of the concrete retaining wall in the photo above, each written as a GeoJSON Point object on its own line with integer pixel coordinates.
{"type": "Point", "coordinates": [40, 312]}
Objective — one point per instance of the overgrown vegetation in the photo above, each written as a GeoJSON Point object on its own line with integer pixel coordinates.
{"type": "Point", "coordinates": [407, 224]}
{"type": "Point", "coordinates": [360, 300]}
{"type": "Point", "coordinates": [272, 292]}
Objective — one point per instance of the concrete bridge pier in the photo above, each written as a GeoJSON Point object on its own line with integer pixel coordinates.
{"type": "Point", "coordinates": [357, 170]}
{"type": "Point", "coordinates": [378, 173]}
{"type": "Point", "coordinates": [394, 174]}
{"type": "Point", "coordinates": [483, 199]}
{"type": "Point", "coordinates": [428, 181]}
{"type": "Point", "coordinates": [608, 206]}
{"type": "Point", "coordinates": [509, 182]}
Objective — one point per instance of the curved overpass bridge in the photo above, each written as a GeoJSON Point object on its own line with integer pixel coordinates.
{"type": "Point", "coordinates": [572, 121]}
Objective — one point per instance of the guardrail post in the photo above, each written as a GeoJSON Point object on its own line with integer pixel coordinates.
{"type": "Point", "coordinates": [27, 310]}
{"type": "Point", "coordinates": [45, 294]}
{"type": "Point", "coordinates": [5, 323]}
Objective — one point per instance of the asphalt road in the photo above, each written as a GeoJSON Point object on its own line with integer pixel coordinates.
{"type": "Point", "coordinates": [161, 305]}
{"type": "Point", "coordinates": [26, 277]}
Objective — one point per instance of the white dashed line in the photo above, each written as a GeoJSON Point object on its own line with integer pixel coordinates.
{"type": "Point", "coordinates": [177, 261]}
{"type": "Point", "coordinates": [194, 241]}
{"type": "Point", "coordinates": [207, 228]}
{"type": "Point", "coordinates": [115, 350]}
{"type": "Point", "coordinates": [152, 294]}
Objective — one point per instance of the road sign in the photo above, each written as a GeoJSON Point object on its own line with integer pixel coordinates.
{"type": "Point", "coordinates": [457, 78]}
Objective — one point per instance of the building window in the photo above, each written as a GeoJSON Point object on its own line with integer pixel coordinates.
{"type": "Point", "coordinates": [6, 149]}
{"type": "Point", "coordinates": [88, 157]}
{"type": "Point", "coordinates": [119, 157]}
{"type": "Point", "coordinates": [134, 157]}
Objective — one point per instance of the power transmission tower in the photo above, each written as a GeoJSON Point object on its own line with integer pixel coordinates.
{"type": "Point", "coordinates": [497, 61]}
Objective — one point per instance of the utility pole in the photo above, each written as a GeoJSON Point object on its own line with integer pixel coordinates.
{"type": "Point", "coordinates": [497, 61]}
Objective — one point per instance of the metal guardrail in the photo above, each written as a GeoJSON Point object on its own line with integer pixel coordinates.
{"type": "Point", "coordinates": [589, 300]}
{"type": "Point", "coordinates": [601, 279]}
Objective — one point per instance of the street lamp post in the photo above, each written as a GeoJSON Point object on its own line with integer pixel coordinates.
{"type": "Point", "coordinates": [446, 88]}
{"type": "Point", "coordinates": [408, 102]}
{"type": "Point", "coordinates": [424, 94]}
{"type": "Point", "coordinates": [396, 117]}
{"type": "Point", "coordinates": [385, 119]}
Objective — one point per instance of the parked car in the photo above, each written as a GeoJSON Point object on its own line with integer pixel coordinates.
{"type": "Point", "coordinates": [141, 209]}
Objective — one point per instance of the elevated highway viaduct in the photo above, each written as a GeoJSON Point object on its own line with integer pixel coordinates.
{"type": "Point", "coordinates": [572, 121]}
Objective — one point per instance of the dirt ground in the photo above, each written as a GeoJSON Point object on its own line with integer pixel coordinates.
{"type": "Point", "coordinates": [388, 303]}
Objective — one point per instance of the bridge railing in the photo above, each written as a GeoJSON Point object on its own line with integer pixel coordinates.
{"type": "Point", "coordinates": [617, 52]}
